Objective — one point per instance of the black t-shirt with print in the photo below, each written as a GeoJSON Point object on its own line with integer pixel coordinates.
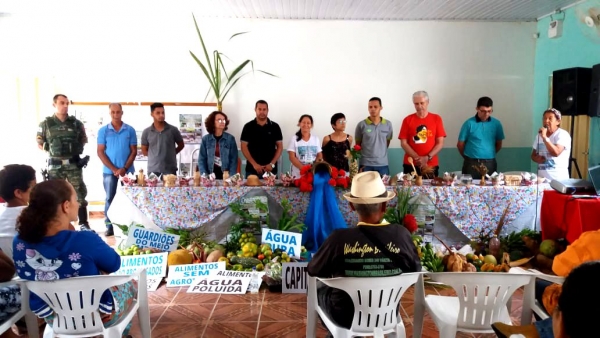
{"type": "Point", "coordinates": [349, 253]}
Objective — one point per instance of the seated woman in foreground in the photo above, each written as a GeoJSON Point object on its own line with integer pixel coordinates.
{"type": "Point", "coordinates": [47, 249]}
{"type": "Point", "coordinates": [10, 296]}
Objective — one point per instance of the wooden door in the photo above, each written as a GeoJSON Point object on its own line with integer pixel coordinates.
{"type": "Point", "coordinates": [581, 141]}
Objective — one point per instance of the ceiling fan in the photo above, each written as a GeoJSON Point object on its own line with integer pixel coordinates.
{"type": "Point", "coordinates": [589, 20]}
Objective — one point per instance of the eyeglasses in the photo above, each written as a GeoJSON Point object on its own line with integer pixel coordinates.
{"type": "Point", "coordinates": [221, 121]}
{"type": "Point", "coordinates": [341, 121]}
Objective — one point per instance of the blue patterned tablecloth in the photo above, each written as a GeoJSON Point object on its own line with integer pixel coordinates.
{"type": "Point", "coordinates": [470, 209]}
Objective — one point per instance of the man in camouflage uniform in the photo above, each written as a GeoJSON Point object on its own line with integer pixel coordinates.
{"type": "Point", "coordinates": [63, 137]}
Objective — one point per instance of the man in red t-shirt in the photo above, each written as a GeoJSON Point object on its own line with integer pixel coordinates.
{"type": "Point", "coordinates": [422, 136]}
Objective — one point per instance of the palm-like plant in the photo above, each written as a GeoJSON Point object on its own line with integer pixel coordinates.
{"type": "Point", "coordinates": [220, 81]}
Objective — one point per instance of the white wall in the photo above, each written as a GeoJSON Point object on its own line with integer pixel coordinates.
{"type": "Point", "coordinates": [323, 67]}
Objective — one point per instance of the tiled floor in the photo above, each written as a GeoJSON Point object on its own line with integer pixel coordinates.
{"type": "Point", "coordinates": [174, 313]}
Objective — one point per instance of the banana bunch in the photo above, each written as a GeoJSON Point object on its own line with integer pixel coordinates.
{"type": "Point", "coordinates": [431, 261]}
{"type": "Point", "coordinates": [418, 241]}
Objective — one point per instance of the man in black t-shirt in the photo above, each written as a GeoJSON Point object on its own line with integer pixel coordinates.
{"type": "Point", "coordinates": [374, 248]}
{"type": "Point", "coordinates": [262, 142]}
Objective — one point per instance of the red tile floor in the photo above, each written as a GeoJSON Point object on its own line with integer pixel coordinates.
{"type": "Point", "coordinates": [174, 313]}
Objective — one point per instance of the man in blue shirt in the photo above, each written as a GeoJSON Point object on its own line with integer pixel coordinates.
{"type": "Point", "coordinates": [480, 139]}
{"type": "Point", "coordinates": [117, 148]}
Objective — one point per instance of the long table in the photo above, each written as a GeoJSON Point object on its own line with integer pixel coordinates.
{"type": "Point", "coordinates": [469, 208]}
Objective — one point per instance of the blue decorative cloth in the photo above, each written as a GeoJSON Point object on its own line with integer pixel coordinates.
{"type": "Point", "coordinates": [323, 215]}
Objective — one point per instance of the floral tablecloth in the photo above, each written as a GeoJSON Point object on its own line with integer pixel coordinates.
{"type": "Point", "coordinates": [470, 209]}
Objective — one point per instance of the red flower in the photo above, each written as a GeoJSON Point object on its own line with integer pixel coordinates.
{"type": "Point", "coordinates": [334, 172]}
{"type": "Point", "coordinates": [332, 182]}
{"type": "Point", "coordinates": [297, 182]}
{"type": "Point", "coordinates": [309, 178]}
{"type": "Point", "coordinates": [357, 147]}
{"type": "Point", "coordinates": [342, 182]}
{"type": "Point", "coordinates": [342, 173]}
{"type": "Point", "coordinates": [305, 169]}
{"type": "Point", "coordinates": [410, 223]}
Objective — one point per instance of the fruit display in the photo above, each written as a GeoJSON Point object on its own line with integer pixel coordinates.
{"type": "Point", "coordinates": [135, 250]}
{"type": "Point", "coordinates": [179, 257]}
{"type": "Point", "coordinates": [430, 260]}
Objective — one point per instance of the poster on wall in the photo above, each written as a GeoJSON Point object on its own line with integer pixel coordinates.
{"type": "Point", "coordinates": [190, 126]}
{"type": "Point", "coordinates": [139, 156]}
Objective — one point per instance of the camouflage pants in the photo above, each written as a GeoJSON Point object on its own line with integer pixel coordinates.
{"type": "Point", "coordinates": [74, 175]}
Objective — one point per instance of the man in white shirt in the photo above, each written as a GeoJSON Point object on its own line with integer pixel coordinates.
{"type": "Point", "coordinates": [16, 182]}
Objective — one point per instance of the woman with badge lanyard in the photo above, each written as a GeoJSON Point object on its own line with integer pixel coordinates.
{"type": "Point", "coordinates": [551, 148]}
{"type": "Point", "coordinates": [218, 150]}
{"type": "Point", "coordinates": [304, 148]}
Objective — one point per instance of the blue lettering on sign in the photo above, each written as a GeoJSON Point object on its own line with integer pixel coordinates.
{"type": "Point", "coordinates": [194, 267]}
{"type": "Point", "coordinates": [281, 238]}
{"type": "Point", "coordinates": [142, 261]}
{"type": "Point", "coordinates": [187, 281]}
{"type": "Point", "coordinates": [153, 237]}
{"type": "Point", "coordinates": [195, 273]}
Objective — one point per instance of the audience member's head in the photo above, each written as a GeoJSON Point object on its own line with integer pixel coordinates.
{"type": "Point", "coordinates": [52, 205]}
{"type": "Point", "coordinates": [368, 197]}
{"type": "Point", "coordinates": [16, 181]}
{"type": "Point", "coordinates": [571, 318]}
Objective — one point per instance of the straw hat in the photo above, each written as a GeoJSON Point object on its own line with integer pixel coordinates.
{"type": "Point", "coordinates": [253, 181]}
{"type": "Point", "coordinates": [366, 187]}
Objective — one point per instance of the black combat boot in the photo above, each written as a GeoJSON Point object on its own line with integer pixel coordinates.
{"type": "Point", "coordinates": [83, 219]}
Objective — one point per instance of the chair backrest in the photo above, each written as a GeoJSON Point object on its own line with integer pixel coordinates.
{"type": "Point", "coordinates": [482, 295]}
{"type": "Point", "coordinates": [375, 299]}
{"type": "Point", "coordinates": [75, 301]}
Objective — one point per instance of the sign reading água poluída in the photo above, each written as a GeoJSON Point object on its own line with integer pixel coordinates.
{"type": "Point", "coordinates": [294, 277]}
{"type": "Point", "coordinates": [155, 265]}
{"type": "Point", "coordinates": [289, 242]}
{"type": "Point", "coordinates": [146, 238]}
{"type": "Point", "coordinates": [229, 273]}
{"type": "Point", "coordinates": [220, 284]}
{"type": "Point", "coordinates": [184, 275]}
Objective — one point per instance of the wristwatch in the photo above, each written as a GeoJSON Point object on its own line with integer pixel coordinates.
{"type": "Point", "coordinates": [272, 165]}
{"type": "Point", "coordinates": [429, 157]}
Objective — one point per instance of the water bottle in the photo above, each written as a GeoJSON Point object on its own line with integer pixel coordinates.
{"type": "Point", "coordinates": [424, 212]}
{"type": "Point", "coordinates": [255, 282]}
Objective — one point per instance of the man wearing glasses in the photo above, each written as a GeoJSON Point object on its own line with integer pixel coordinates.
{"type": "Point", "coordinates": [336, 145]}
{"type": "Point", "coordinates": [480, 139]}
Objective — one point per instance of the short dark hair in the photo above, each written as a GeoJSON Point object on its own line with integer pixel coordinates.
{"type": "Point", "coordinates": [209, 123]}
{"type": "Point", "coordinates": [336, 117]}
{"type": "Point", "coordinates": [13, 177]}
{"type": "Point", "coordinates": [375, 98]}
{"type": "Point", "coordinates": [55, 98]}
{"type": "Point", "coordinates": [115, 103]}
{"type": "Point", "coordinates": [156, 105]}
{"type": "Point", "coordinates": [485, 102]}
{"type": "Point", "coordinates": [45, 198]}
{"type": "Point", "coordinates": [261, 102]}
{"type": "Point", "coordinates": [580, 284]}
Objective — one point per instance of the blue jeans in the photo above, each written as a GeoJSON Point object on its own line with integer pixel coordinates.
{"type": "Point", "coordinates": [382, 170]}
{"type": "Point", "coordinates": [110, 187]}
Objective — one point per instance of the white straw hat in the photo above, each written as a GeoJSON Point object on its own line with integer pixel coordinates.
{"type": "Point", "coordinates": [368, 188]}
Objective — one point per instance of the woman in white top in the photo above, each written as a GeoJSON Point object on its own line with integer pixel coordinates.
{"type": "Point", "coordinates": [551, 148]}
{"type": "Point", "coordinates": [16, 181]}
{"type": "Point", "coordinates": [304, 148]}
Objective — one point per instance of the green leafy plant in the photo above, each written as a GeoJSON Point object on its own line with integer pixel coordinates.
{"type": "Point", "coordinates": [125, 228]}
{"type": "Point", "coordinates": [221, 82]}
{"type": "Point", "coordinates": [246, 223]}
{"type": "Point", "coordinates": [396, 214]}
{"type": "Point", "coordinates": [287, 222]}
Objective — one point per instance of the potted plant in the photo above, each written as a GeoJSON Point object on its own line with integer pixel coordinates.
{"type": "Point", "coordinates": [221, 82]}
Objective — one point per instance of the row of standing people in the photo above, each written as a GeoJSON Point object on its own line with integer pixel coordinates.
{"type": "Point", "coordinates": [421, 137]}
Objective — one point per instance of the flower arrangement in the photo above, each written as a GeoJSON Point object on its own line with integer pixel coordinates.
{"type": "Point", "coordinates": [208, 181]}
{"type": "Point", "coordinates": [269, 178]}
{"type": "Point", "coordinates": [235, 180]}
{"type": "Point", "coordinates": [287, 179]}
{"type": "Point", "coordinates": [355, 152]}
{"type": "Point", "coordinates": [338, 178]}
{"type": "Point", "coordinates": [306, 179]}
{"type": "Point", "coordinates": [410, 223]}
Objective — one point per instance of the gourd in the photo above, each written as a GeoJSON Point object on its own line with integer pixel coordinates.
{"type": "Point", "coordinates": [179, 257]}
{"type": "Point", "coordinates": [550, 297]}
{"type": "Point", "coordinates": [214, 256]}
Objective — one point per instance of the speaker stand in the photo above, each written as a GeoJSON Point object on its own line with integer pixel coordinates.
{"type": "Point", "coordinates": [573, 160]}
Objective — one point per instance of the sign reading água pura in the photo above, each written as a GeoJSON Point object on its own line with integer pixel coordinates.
{"type": "Point", "coordinates": [289, 242]}
{"type": "Point", "coordinates": [146, 238]}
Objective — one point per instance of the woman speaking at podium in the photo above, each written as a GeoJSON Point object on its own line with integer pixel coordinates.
{"type": "Point", "coordinates": [551, 148]}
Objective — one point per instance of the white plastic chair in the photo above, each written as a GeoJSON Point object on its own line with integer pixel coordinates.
{"type": "Point", "coordinates": [375, 305]}
{"type": "Point", "coordinates": [75, 302]}
{"type": "Point", "coordinates": [482, 300]}
{"type": "Point", "coordinates": [530, 304]}
{"type": "Point", "coordinates": [30, 318]}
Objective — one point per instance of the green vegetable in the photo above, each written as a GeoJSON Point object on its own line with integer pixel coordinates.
{"type": "Point", "coordinates": [246, 262]}
{"type": "Point", "coordinates": [430, 261]}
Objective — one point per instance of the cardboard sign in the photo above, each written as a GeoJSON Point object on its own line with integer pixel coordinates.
{"type": "Point", "coordinates": [294, 277]}
{"type": "Point", "coordinates": [289, 242]}
{"type": "Point", "coordinates": [185, 275]}
{"type": "Point", "coordinates": [220, 284]}
{"type": "Point", "coordinates": [225, 273]}
{"type": "Point", "coordinates": [155, 265]}
{"type": "Point", "coordinates": [146, 238]}
{"type": "Point", "coordinates": [152, 284]}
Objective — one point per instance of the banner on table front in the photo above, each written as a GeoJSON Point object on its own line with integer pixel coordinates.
{"type": "Point", "coordinates": [146, 238]}
{"type": "Point", "coordinates": [220, 284]}
{"type": "Point", "coordinates": [289, 242]}
{"type": "Point", "coordinates": [294, 277]}
{"type": "Point", "coordinates": [184, 275]}
{"type": "Point", "coordinates": [155, 265]}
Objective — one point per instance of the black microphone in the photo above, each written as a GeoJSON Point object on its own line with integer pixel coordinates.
{"type": "Point", "coordinates": [545, 126]}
